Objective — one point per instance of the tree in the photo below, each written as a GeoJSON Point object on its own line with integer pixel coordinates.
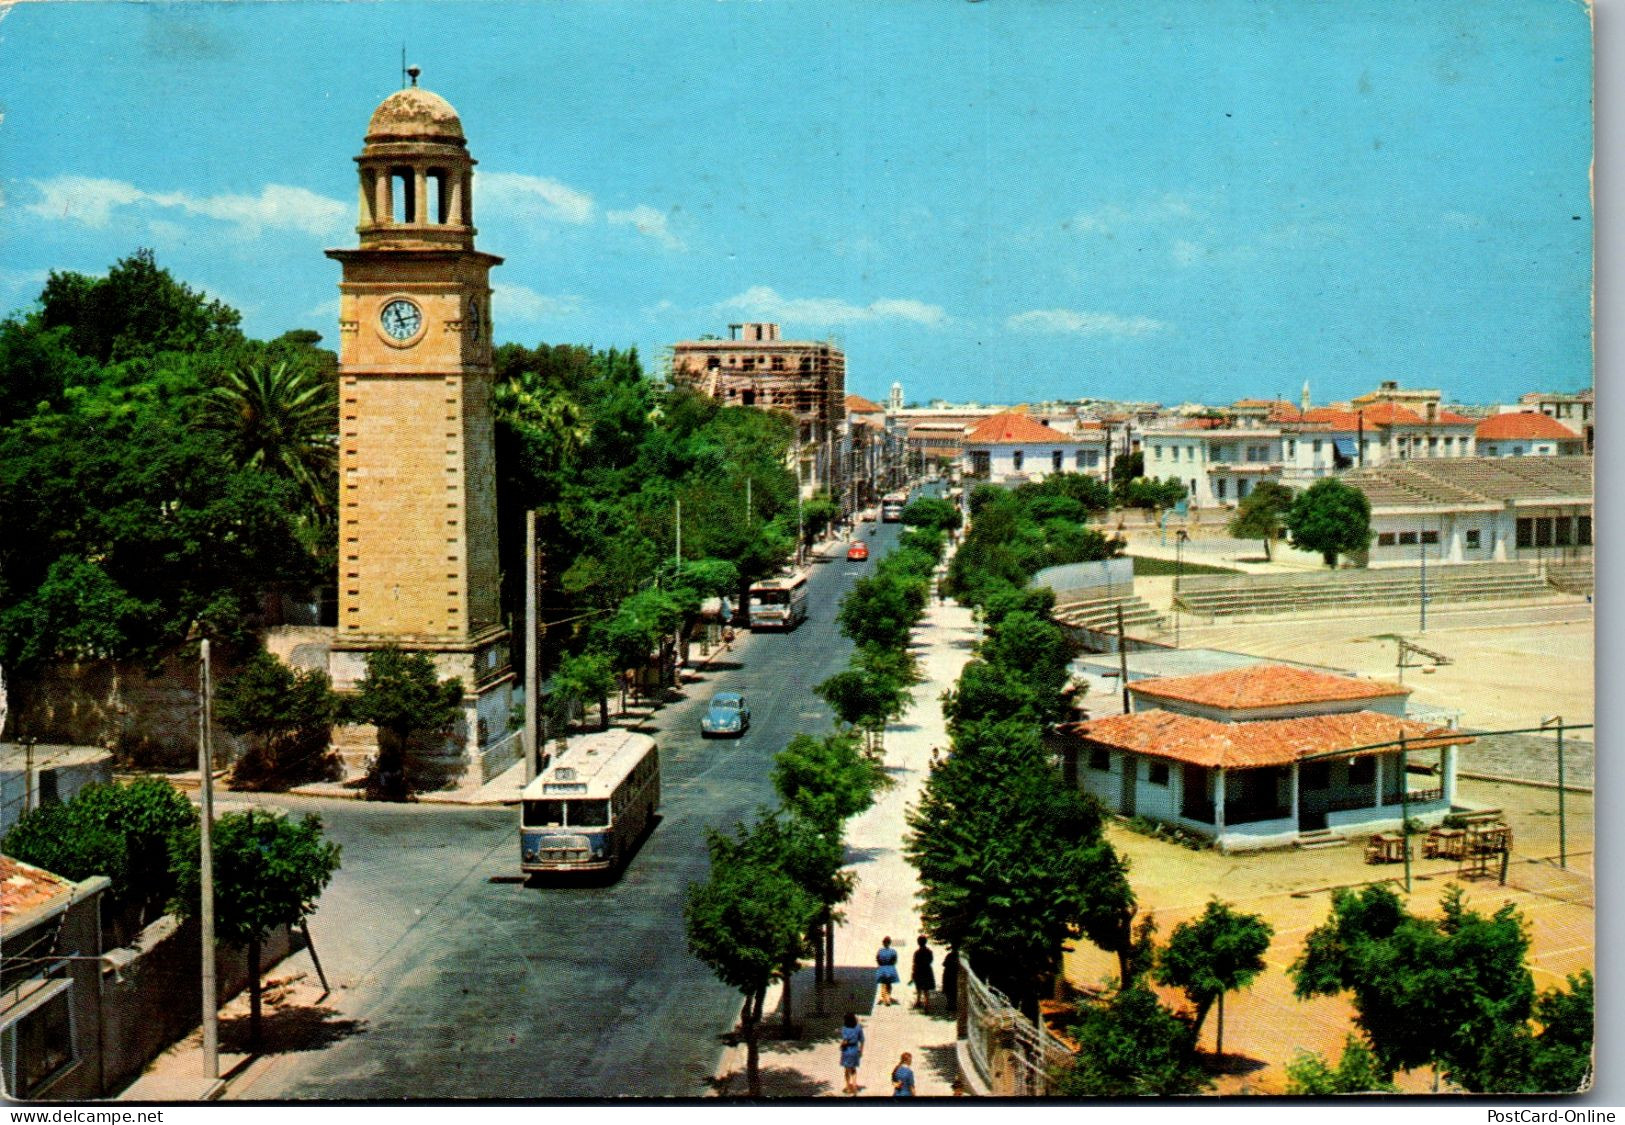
{"type": "Point", "coordinates": [269, 871]}
{"type": "Point", "coordinates": [287, 716]}
{"type": "Point", "coordinates": [403, 698]}
{"type": "Point", "coordinates": [282, 418]}
{"type": "Point", "coordinates": [1037, 652]}
{"type": "Point", "coordinates": [1131, 1046]}
{"type": "Point", "coordinates": [1357, 1072]}
{"type": "Point", "coordinates": [1467, 971]}
{"type": "Point", "coordinates": [1220, 952]}
{"type": "Point", "coordinates": [1126, 468]}
{"type": "Point", "coordinates": [746, 922]}
{"type": "Point", "coordinates": [873, 691]}
{"type": "Point", "coordinates": [826, 780]}
{"type": "Point", "coordinates": [137, 310]}
{"type": "Point", "coordinates": [933, 513]}
{"type": "Point", "coordinates": [1261, 512]}
{"type": "Point", "coordinates": [120, 829]}
{"type": "Point", "coordinates": [881, 609]}
{"type": "Point", "coordinates": [1331, 518]}
{"type": "Point", "coordinates": [582, 677]}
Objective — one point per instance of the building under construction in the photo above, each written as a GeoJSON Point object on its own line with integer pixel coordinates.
{"type": "Point", "coordinates": [805, 378]}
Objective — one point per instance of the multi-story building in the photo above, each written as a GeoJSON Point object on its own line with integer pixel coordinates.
{"type": "Point", "coordinates": [873, 459]}
{"type": "Point", "coordinates": [935, 434]}
{"type": "Point", "coordinates": [1012, 448]}
{"type": "Point", "coordinates": [755, 367]}
{"type": "Point", "coordinates": [1526, 434]}
{"type": "Point", "coordinates": [1573, 410]}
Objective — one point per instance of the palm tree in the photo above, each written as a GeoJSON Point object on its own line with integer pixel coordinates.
{"type": "Point", "coordinates": [282, 419]}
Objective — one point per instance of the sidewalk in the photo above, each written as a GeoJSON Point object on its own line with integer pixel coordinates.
{"type": "Point", "coordinates": [882, 904]}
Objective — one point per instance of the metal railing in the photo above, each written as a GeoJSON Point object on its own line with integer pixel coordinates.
{"type": "Point", "coordinates": [1013, 1056]}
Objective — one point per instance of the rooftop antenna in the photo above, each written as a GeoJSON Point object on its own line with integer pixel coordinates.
{"type": "Point", "coordinates": [403, 66]}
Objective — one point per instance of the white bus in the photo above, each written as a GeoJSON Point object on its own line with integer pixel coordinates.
{"type": "Point", "coordinates": [891, 507]}
{"type": "Point", "coordinates": [587, 810]}
{"type": "Point", "coordinates": [779, 603]}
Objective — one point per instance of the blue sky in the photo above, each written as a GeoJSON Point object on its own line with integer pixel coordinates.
{"type": "Point", "coordinates": [1005, 200]}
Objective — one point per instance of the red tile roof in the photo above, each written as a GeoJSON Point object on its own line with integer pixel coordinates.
{"type": "Point", "coordinates": [1381, 414]}
{"type": "Point", "coordinates": [25, 888]}
{"type": "Point", "coordinates": [1503, 427]}
{"type": "Point", "coordinates": [1013, 429]}
{"type": "Point", "coordinates": [1262, 743]}
{"type": "Point", "coordinates": [857, 404]}
{"type": "Point", "coordinates": [1264, 685]}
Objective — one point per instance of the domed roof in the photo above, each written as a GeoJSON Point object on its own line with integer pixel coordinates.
{"type": "Point", "coordinates": [416, 114]}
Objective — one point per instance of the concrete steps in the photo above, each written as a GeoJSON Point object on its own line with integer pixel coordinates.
{"type": "Point", "coordinates": [1319, 838]}
{"type": "Point", "coordinates": [1099, 614]}
{"type": "Point", "coordinates": [1360, 590]}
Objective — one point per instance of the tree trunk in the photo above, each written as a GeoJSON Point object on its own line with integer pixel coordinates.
{"type": "Point", "coordinates": [603, 711]}
{"type": "Point", "coordinates": [254, 994]}
{"type": "Point", "coordinates": [818, 966]}
{"type": "Point", "coordinates": [752, 1020]}
{"type": "Point", "coordinates": [1220, 1045]}
{"type": "Point", "coordinates": [829, 946]}
{"type": "Point", "coordinates": [787, 1023]}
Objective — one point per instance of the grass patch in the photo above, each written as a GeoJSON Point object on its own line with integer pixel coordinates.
{"type": "Point", "coordinates": [1166, 568]}
{"type": "Point", "coordinates": [1173, 833]}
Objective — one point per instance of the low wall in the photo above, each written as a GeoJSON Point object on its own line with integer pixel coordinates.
{"type": "Point", "coordinates": [1077, 580]}
{"type": "Point", "coordinates": [152, 991]}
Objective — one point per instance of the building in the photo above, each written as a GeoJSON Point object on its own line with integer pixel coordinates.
{"type": "Point", "coordinates": [873, 461]}
{"type": "Point", "coordinates": [1527, 434]}
{"type": "Point", "coordinates": [755, 367]}
{"type": "Point", "coordinates": [50, 983]}
{"type": "Point", "coordinates": [1573, 410]}
{"type": "Point", "coordinates": [1480, 509]}
{"type": "Point", "coordinates": [37, 774]}
{"type": "Point", "coordinates": [1252, 757]}
{"type": "Point", "coordinates": [418, 523]}
{"type": "Point", "coordinates": [1012, 448]}
{"type": "Point", "coordinates": [935, 434]}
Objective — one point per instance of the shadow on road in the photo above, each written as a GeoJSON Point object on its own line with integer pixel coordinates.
{"type": "Point", "coordinates": [289, 1028]}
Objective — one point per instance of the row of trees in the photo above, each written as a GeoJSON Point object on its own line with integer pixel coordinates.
{"type": "Point", "coordinates": [269, 870]}
{"type": "Point", "coordinates": [1328, 517]}
{"type": "Point", "coordinates": [1018, 532]}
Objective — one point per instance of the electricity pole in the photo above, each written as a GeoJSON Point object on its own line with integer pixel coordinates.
{"type": "Point", "coordinates": [533, 702]}
{"type": "Point", "coordinates": [205, 762]}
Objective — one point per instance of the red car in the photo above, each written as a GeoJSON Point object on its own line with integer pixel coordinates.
{"type": "Point", "coordinates": [857, 552]}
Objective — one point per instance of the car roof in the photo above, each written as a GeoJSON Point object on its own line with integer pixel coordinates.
{"type": "Point", "coordinates": [730, 696]}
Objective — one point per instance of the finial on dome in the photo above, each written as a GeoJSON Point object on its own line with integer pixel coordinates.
{"type": "Point", "coordinates": [414, 71]}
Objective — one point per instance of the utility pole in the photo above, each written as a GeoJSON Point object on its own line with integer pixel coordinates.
{"type": "Point", "coordinates": [533, 702]}
{"type": "Point", "coordinates": [679, 554]}
{"type": "Point", "coordinates": [1423, 547]}
{"type": "Point", "coordinates": [1122, 656]}
{"type": "Point", "coordinates": [205, 762]}
{"type": "Point", "coordinates": [1562, 810]}
{"type": "Point", "coordinates": [1405, 807]}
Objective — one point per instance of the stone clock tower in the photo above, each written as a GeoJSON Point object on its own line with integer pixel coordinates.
{"type": "Point", "coordinates": [417, 493]}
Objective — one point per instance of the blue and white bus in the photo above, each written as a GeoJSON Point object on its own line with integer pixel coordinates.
{"type": "Point", "coordinates": [588, 809]}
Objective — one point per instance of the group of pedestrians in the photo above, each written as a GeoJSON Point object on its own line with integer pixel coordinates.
{"type": "Point", "coordinates": [924, 979]}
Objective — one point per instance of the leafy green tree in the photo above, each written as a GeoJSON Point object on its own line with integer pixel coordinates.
{"type": "Point", "coordinates": [282, 419]}
{"type": "Point", "coordinates": [1330, 517]}
{"type": "Point", "coordinates": [990, 692]}
{"type": "Point", "coordinates": [287, 717]}
{"type": "Point", "coordinates": [582, 678]}
{"type": "Point", "coordinates": [402, 696]}
{"type": "Point", "coordinates": [1467, 971]}
{"type": "Point", "coordinates": [1011, 862]}
{"type": "Point", "coordinates": [1131, 1047]}
{"type": "Point", "coordinates": [1126, 469]}
{"type": "Point", "coordinates": [137, 310]}
{"type": "Point", "coordinates": [1086, 490]}
{"type": "Point", "coordinates": [817, 513]}
{"type": "Point", "coordinates": [1002, 600]}
{"type": "Point", "coordinates": [1038, 653]}
{"type": "Point", "coordinates": [873, 691]}
{"type": "Point", "coordinates": [1145, 492]}
{"type": "Point", "coordinates": [746, 922]}
{"type": "Point", "coordinates": [933, 513]}
{"type": "Point", "coordinates": [882, 609]}
{"type": "Point", "coordinates": [1220, 952]}
{"type": "Point", "coordinates": [120, 830]}
{"type": "Point", "coordinates": [269, 870]}
{"type": "Point", "coordinates": [1261, 513]}
{"type": "Point", "coordinates": [826, 780]}
{"type": "Point", "coordinates": [1357, 1072]}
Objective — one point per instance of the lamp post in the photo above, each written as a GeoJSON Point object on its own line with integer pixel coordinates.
{"type": "Point", "coordinates": [1562, 819]}
{"type": "Point", "coordinates": [1179, 573]}
{"type": "Point", "coordinates": [205, 762]}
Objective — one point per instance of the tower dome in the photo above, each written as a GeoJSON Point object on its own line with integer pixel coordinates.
{"type": "Point", "coordinates": [415, 114]}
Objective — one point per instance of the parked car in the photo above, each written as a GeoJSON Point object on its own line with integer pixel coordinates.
{"type": "Point", "coordinates": [728, 714]}
{"type": "Point", "coordinates": [857, 552]}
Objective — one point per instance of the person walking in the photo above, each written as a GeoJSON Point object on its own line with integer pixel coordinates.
{"type": "Point", "coordinates": [924, 977]}
{"type": "Point", "coordinates": [851, 1051]}
{"type": "Point", "coordinates": [886, 970]}
{"type": "Point", "coordinates": [950, 981]}
{"type": "Point", "coordinates": [902, 1077]}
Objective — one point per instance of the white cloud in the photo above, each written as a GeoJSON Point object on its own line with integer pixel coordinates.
{"type": "Point", "coordinates": [1462, 220]}
{"type": "Point", "coordinates": [1083, 323]}
{"type": "Point", "coordinates": [83, 199]}
{"type": "Point", "coordinates": [523, 303]}
{"type": "Point", "coordinates": [533, 197]}
{"type": "Point", "coordinates": [647, 221]}
{"type": "Point", "coordinates": [327, 312]}
{"type": "Point", "coordinates": [1108, 218]}
{"type": "Point", "coordinates": [766, 303]}
{"type": "Point", "coordinates": [92, 201]}
{"type": "Point", "coordinates": [1187, 252]}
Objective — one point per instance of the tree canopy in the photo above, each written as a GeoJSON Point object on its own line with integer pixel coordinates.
{"type": "Point", "coordinates": [1261, 513]}
{"type": "Point", "coordinates": [403, 696]}
{"type": "Point", "coordinates": [1330, 517]}
{"type": "Point", "coordinates": [1220, 951]}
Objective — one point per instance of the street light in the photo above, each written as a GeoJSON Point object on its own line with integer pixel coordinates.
{"type": "Point", "coordinates": [1179, 572]}
{"type": "Point", "coordinates": [1562, 819]}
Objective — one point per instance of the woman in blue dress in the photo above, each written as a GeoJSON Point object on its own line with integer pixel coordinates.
{"type": "Point", "coordinates": [902, 1077]}
{"type": "Point", "coordinates": [886, 971]}
{"type": "Point", "coordinates": [851, 1051]}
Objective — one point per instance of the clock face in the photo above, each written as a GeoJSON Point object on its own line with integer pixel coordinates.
{"type": "Point", "coordinates": [475, 324]}
{"type": "Point", "coordinates": [401, 319]}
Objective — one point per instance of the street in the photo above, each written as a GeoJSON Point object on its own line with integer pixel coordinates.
{"type": "Point", "coordinates": [453, 978]}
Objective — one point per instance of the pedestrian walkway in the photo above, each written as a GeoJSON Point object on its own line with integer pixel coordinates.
{"type": "Point", "coordinates": [883, 904]}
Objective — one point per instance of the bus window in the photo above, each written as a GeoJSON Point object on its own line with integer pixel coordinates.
{"type": "Point", "coordinates": [589, 814]}
{"type": "Point", "coordinates": [771, 597]}
{"type": "Point", "coordinates": [539, 814]}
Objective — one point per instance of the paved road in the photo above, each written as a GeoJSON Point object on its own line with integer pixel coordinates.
{"type": "Point", "coordinates": [466, 983]}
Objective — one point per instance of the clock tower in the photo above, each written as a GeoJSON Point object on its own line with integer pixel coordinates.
{"type": "Point", "coordinates": [417, 543]}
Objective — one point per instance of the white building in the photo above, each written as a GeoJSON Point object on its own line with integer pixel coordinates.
{"type": "Point", "coordinates": [1527, 434]}
{"type": "Point", "coordinates": [1012, 448]}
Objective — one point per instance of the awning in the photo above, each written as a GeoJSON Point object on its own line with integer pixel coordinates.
{"type": "Point", "coordinates": [1346, 448]}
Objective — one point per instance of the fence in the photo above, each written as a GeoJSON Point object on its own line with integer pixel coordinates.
{"type": "Point", "coordinates": [1011, 1055]}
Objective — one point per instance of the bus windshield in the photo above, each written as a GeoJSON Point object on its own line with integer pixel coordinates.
{"type": "Point", "coordinates": [771, 597]}
{"type": "Point", "coordinates": [589, 814]}
{"type": "Point", "coordinates": [559, 814]}
{"type": "Point", "coordinates": [541, 814]}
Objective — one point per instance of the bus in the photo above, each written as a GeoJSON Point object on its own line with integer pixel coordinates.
{"type": "Point", "coordinates": [588, 808]}
{"type": "Point", "coordinates": [779, 603]}
{"type": "Point", "coordinates": [891, 507]}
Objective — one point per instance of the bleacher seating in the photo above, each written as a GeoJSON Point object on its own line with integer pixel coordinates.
{"type": "Point", "coordinates": [1214, 596]}
{"type": "Point", "coordinates": [1098, 612]}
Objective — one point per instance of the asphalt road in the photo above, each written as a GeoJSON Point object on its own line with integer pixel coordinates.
{"type": "Point", "coordinates": [456, 979]}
